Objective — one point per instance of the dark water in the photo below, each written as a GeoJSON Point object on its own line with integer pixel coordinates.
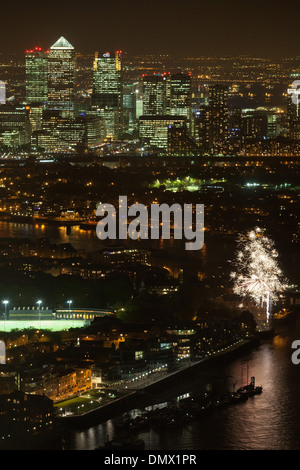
{"type": "Point", "coordinates": [212, 258]}
{"type": "Point", "coordinates": [270, 421]}
{"type": "Point", "coordinates": [80, 239]}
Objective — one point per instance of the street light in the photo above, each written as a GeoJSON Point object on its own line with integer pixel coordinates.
{"type": "Point", "coordinates": [69, 302]}
{"type": "Point", "coordinates": [5, 302]}
{"type": "Point", "coordinates": [39, 302]}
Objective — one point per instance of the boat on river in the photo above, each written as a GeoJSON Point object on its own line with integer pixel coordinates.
{"type": "Point", "coordinates": [250, 389]}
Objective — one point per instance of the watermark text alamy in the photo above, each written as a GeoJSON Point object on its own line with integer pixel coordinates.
{"type": "Point", "coordinates": [141, 222]}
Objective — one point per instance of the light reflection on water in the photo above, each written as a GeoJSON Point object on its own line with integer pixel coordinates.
{"type": "Point", "coordinates": [80, 239]}
{"type": "Point", "coordinates": [89, 440]}
{"type": "Point", "coordinates": [268, 421]}
{"type": "Point", "coordinates": [86, 241]}
{"type": "Point", "coordinates": [211, 258]}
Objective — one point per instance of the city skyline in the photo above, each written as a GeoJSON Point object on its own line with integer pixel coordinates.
{"type": "Point", "coordinates": [64, 101]}
{"type": "Point", "coordinates": [149, 227]}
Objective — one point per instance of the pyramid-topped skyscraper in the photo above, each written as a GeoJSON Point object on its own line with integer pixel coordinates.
{"type": "Point", "coordinates": [61, 77]}
{"type": "Point", "coordinates": [62, 43]}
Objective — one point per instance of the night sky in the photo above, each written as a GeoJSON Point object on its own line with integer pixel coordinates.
{"type": "Point", "coordinates": [187, 27]}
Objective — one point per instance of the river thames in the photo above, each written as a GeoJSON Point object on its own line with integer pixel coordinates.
{"type": "Point", "coordinates": [211, 259]}
{"type": "Point", "coordinates": [270, 421]}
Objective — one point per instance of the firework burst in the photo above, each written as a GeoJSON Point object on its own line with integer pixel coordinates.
{"type": "Point", "coordinates": [257, 274]}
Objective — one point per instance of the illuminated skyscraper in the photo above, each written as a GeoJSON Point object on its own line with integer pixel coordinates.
{"type": "Point", "coordinates": [202, 127]}
{"type": "Point", "coordinates": [61, 77]}
{"type": "Point", "coordinates": [36, 75]}
{"type": "Point", "coordinates": [154, 131]}
{"type": "Point", "coordinates": [36, 116]}
{"type": "Point", "coordinates": [260, 123]}
{"type": "Point", "coordinates": [156, 92]}
{"type": "Point", "coordinates": [107, 98]}
{"type": "Point", "coordinates": [180, 96]}
{"type": "Point", "coordinates": [293, 119]}
{"type": "Point", "coordinates": [130, 93]}
{"type": "Point", "coordinates": [218, 117]}
{"type": "Point", "coordinates": [2, 92]}
{"type": "Point", "coordinates": [165, 94]}
{"type": "Point", "coordinates": [15, 127]}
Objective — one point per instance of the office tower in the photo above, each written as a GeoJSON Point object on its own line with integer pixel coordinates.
{"type": "Point", "coordinates": [36, 116]}
{"type": "Point", "coordinates": [235, 123]}
{"type": "Point", "coordinates": [95, 131]}
{"type": "Point", "coordinates": [293, 119]}
{"type": "Point", "coordinates": [260, 123]}
{"type": "Point", "coordinates": [61, 134]}
{"type": "Point", "coordinates": [154, 130]}
{"type": "Point", "coordinates": [235, 131]}
{"type": "Point", "coordinates": [15, 127]}
{"type": "Point", "coordinates": [202, 127]}
{"type": "Point", "coordinates": [274, 116]}
{"type": "Point", "coordinates": [165, 94]}
{"type": "Point", "coordinates": [180, 143]}
{"type": "Point", "coordinates": [130, 93]}
{"type": "Point", "coordinates": [156, 94]}
{"type": "Point", "coordinates": [36, 67]}
{"type": "Point", "coordinates": [48, 137]}
{"type": "Point", "coordinates": [107, 98]}
{"type": "Point", "coordinates": [180, 96]}
{"type": "Point", "coordinates": [61, 78]}
{"type": "Point", "coordinates": [2, 92]}
{"type": "Point", "coordinates": [139, 106]}
{"type": "Point", "coordinates": [218, 118]}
